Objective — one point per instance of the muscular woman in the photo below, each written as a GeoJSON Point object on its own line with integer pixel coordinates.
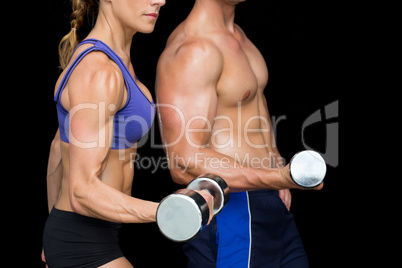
{"type": "Point", "coordinates": [103, 110]}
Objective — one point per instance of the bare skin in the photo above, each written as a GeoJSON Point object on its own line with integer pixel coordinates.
{"type": "Point", "coordinates": [214, 116]}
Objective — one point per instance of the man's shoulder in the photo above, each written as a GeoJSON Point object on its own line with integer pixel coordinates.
{"type": "Point", "coordinates": [187, 47]}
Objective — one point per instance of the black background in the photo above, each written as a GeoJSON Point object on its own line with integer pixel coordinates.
{"type": "Point", "coordinates": [303, 48]}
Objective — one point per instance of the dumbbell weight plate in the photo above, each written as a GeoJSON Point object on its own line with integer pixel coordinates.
{"type": "Point", "coordinates": [180, 216]}
{"type": "Point", "coordinates": [307, 169]}
{"type": "Point", "coordinates": [217, 188]}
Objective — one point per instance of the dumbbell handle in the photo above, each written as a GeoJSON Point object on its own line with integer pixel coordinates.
{"type": "Point", "coordinates": [216, 186]}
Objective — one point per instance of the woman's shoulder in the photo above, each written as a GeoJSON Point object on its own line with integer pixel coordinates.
{"type": "Point", "coordinates": [98, 75]}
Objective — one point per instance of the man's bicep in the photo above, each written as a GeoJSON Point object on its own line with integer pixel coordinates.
{"type": "Point", "coordinates": [186, 91]}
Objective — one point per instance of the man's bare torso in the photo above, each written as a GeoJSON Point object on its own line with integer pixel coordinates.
{"type": "Point", "coordinates": [241, 126]}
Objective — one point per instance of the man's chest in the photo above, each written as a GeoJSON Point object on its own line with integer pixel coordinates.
{"type": "Point", "coordinates": [244, 72]}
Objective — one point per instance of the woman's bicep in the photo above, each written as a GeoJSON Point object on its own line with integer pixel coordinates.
{"type": "Point", "coordinates": [93, 101]}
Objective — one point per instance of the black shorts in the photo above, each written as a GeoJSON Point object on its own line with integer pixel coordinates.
{"type": "Point", "coordinates": [73, 240]}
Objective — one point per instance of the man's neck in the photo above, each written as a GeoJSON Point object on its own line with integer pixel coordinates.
{"type": "Point", "coordinates": [215, 12]}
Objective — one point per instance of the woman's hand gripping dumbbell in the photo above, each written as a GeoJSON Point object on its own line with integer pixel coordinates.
{"type": "Point", "coordinates": [182, 215]}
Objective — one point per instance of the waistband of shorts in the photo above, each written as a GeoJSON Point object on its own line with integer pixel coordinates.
{"type": "Point", "coordinates": [264, 192]}
{"type": "Point", "coordinates": [72, 216]}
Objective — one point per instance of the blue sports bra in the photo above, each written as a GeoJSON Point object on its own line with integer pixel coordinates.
{"type": "Point", "coordinates": [131, 122]}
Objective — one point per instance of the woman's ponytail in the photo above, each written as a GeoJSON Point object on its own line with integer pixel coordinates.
{"type": "Point", "coordinates": [70, 41]}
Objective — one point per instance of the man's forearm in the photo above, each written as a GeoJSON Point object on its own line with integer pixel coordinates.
{"type": "Point", "coordinates": [240, 177]}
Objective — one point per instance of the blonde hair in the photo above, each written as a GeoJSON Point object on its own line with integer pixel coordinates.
{"type": "Point", "coordinates": [69, 42]}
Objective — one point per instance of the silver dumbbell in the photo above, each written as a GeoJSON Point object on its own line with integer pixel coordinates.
{"type": "Point", "coordinates": [307, 169]}
{"type": "Point", "coordinates": [182, 215]}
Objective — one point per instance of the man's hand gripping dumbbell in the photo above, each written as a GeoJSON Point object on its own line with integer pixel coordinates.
{"type": "Point", "coordinates": [182, 215]}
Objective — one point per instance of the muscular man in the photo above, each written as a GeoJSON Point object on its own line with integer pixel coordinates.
{"type": "Point", "coordinates": [214, 118]}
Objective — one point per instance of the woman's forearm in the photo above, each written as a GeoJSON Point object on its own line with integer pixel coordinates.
{"type": "Point", "coordinates": [99, 200]}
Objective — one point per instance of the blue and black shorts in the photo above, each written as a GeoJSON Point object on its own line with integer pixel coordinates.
{"type": "Point", "coordinates": [255, 229]}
